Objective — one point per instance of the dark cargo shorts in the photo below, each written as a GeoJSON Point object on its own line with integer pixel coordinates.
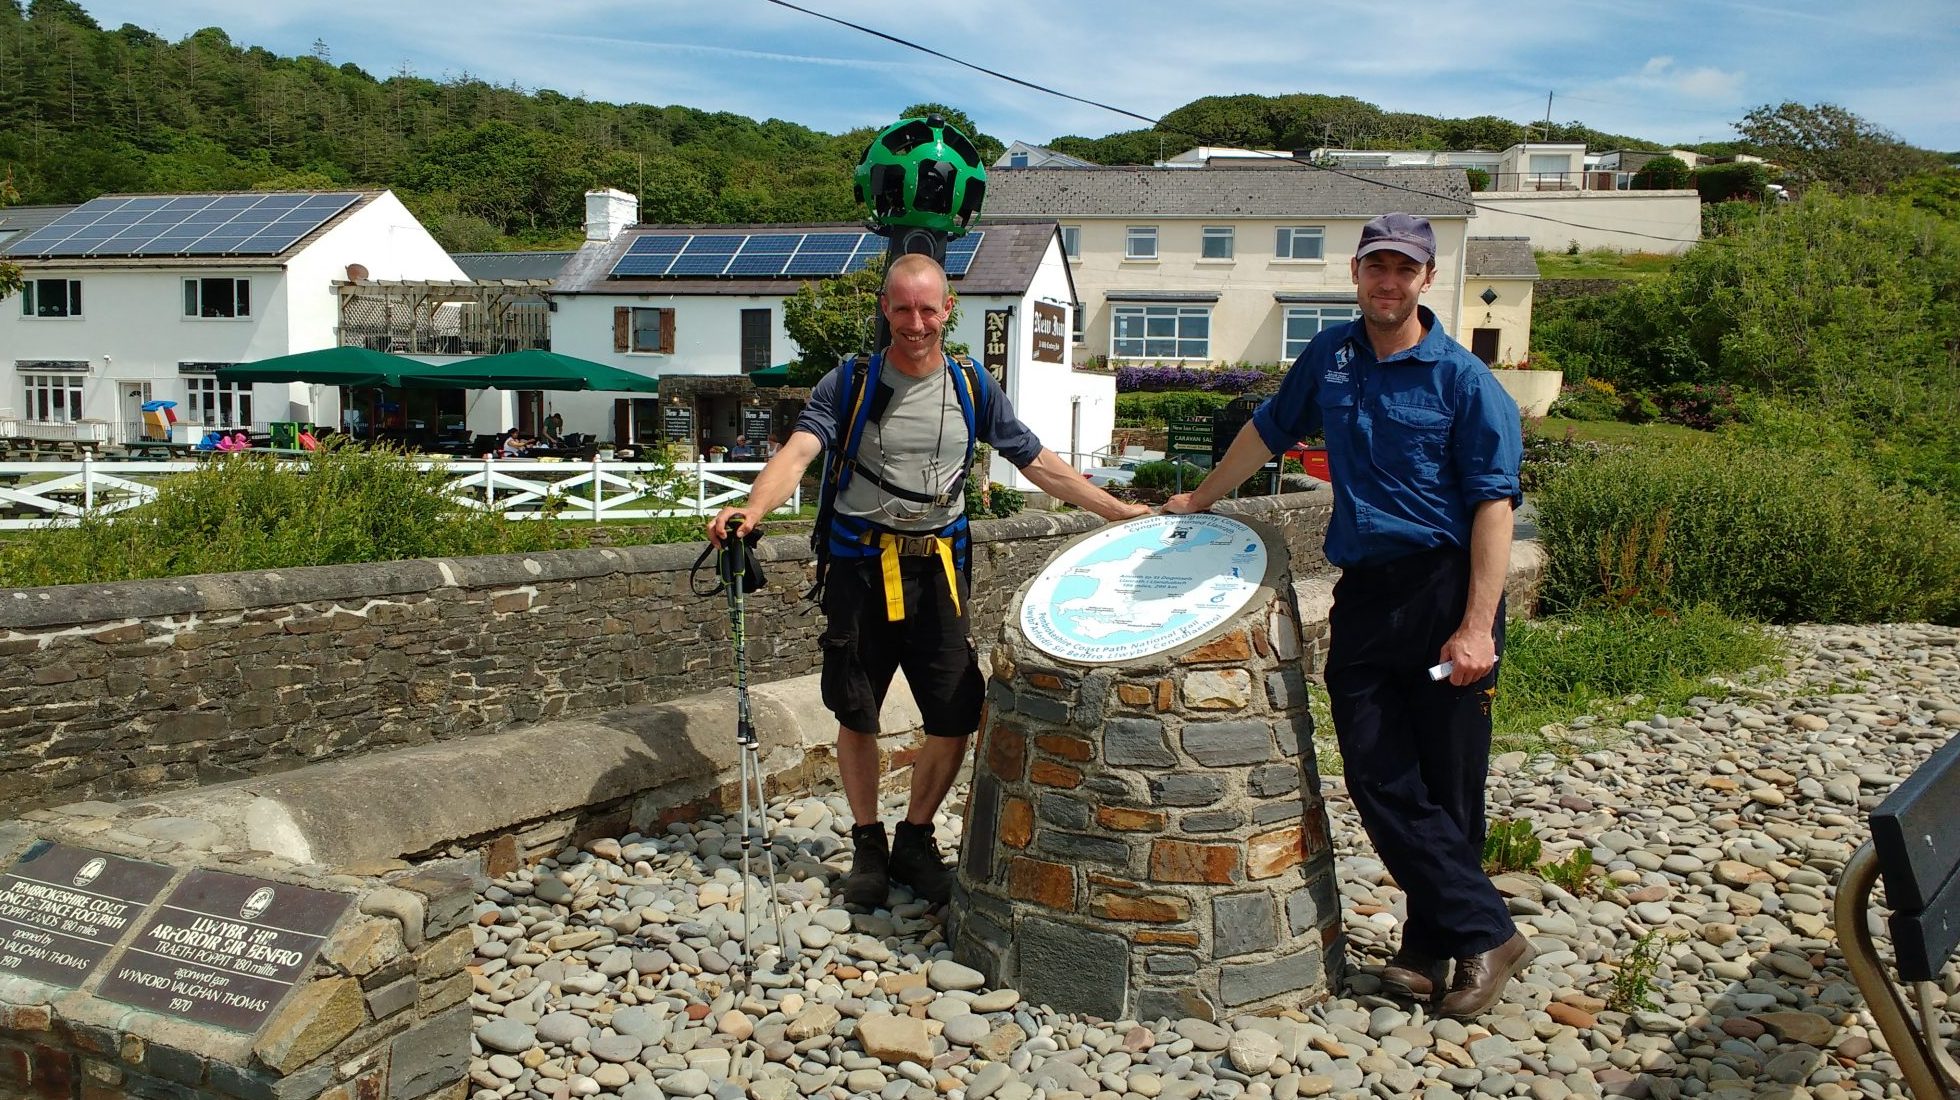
{"type": "Point", "coordinates": [862, 648]}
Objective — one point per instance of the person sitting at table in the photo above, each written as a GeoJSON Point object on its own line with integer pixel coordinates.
{"type": "Point", "coordinates": [514, 445]}
{"type": "Point", "coordinates": [741, 451]}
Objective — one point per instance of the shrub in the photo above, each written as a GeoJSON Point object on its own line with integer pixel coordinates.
{"type": "Point", "coordinates": [1159, 379]}
{"type": "Point", "coordinates": [1695, 405]}
{"type": "Point", "coordinates": [1591, 399]}
{"type": "Point", "coordinates": [1164, 475]}
{"type": "Point", "coordinates": [342, 504]}
{"type": "Point", "coordinates": [1665, 173]}
{"type": "Point", "coordinates": [1546, 457]}
{"type": "Point", "coordinates": [1776, 535]}
{"type": "Point", "coordinates": [1160, 408]}
{"type": "Point", "coordinates": [1633, 977]}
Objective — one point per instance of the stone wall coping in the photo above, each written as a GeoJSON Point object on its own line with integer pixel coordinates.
{"type": "Point", "coordinates": [381, 806]}
{"type": "Point", "coordinates": [120, 601]}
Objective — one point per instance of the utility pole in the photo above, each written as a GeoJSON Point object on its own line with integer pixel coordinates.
{"type": "Point", "coordinates": [1547, 135]}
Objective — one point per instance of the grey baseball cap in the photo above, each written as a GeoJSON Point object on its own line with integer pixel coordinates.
{"type": "Point", "coordinates": [1405, 233]}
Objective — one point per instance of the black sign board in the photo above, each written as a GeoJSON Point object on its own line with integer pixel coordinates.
{"type": "Point", "coordinates": [1051, 333]}
{"type": "Point", "coordinates": [1190, 437]}
{"type": "Point", "coordinates": [756, 424]}
{"type": "Point", "coordinates": [223, 949]}
{"type": "Point", "coordinates": [993, 353]}
{"type": "Point", "coordinates": [677, 423]}
{"type": "Point", "coordinates": [1225, 426]}
{"type": "Point", "coordinates": [62, 909]}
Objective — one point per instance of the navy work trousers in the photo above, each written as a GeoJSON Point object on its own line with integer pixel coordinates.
{"type": "Point", "coordinates": [1415, 751]}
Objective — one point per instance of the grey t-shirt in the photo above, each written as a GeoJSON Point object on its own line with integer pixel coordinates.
{"type": "Point", "coordinates": [918, 445]}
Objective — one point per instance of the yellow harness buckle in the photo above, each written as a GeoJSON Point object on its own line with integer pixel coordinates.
{"type": "Point", "coordinates": [896, 546]}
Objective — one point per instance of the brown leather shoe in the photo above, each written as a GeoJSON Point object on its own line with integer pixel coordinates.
{"type": "Point", "coordinates": [1480, 979]}
{"type": "Point", "coordinates": [1414, 975]}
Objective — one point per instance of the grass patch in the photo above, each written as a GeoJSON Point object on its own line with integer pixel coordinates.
{"type": "Point", "coordinates": [1614, 432]}
{"type": "Point", "coordinates": [1616, 664]}
{"type": "Point", "coordinates": [1612, 665]}
{"type": "Point", "coordinates": [1602, 263]}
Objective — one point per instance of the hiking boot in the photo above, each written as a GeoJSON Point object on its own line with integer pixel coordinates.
{"type": "Point", "coordinates": [1414, 975]}
{"type": "Point", "coordinates": [1480, 979]}
{"type": "Point", "coordinates": [868, 886]}
{"type": "Point", "coordinates": [916, 863]}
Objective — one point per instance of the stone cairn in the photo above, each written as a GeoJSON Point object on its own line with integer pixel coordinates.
{"type": "Point", "coordinates": [1147, 838]}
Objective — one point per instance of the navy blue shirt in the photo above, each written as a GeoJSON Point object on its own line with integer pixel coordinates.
{"type": "Point", "coordinates": [1414, 441]}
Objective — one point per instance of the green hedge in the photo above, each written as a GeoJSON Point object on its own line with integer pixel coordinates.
{"type": "Point", "coordinates": [241, 512]}
{"type": "Point", "coordinates": [1772, 534]}
{"type": "Point", "coordinates": [1160, 408]}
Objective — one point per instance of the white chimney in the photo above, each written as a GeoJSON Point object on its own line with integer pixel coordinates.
{"type": "Point", "coordinates": [608, 212]}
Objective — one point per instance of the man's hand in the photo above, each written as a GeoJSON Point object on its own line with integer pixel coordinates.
{"type": "Point", "coordinates": [1183, 504]}
{"type": "Point", "coordinates": [1473, 653]}
{"type": "Point", "coordinates": [718, 526]}
{"type": "Point", "coordinates": [1130, 510]}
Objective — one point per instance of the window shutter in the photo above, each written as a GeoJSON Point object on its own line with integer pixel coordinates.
{"type": "Point", "coordinates": [667, 332]}
{"type": "Point", "coordinates": [622, 328]}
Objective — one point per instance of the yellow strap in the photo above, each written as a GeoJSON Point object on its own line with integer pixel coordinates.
{"type": "Point", "coordinates": [894, 586]}
{"type": "Point", "coordinates": [952, 574]}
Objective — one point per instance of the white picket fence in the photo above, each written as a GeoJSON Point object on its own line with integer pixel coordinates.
{"type": "Point", "coordinates": [57, 494]}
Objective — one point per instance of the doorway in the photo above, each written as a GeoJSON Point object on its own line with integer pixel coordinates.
{"type": "Point", "coordinates": [1483, 344]}
{"type": "Point", "coordinates": [134, 396]}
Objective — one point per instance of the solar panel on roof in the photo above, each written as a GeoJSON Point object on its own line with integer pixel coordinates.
{"type": "Point", "coordinates": [768, 255]}
{"type": "Point", "coordinates": [157, 225]}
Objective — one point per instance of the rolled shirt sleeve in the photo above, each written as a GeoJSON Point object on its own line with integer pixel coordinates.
{"type": "Point", "coordinates": [819, 416]}
{"type": "Point", "coordinates": [1291, 414]}
{"type": "Point", "coordinates": [1488, 444]}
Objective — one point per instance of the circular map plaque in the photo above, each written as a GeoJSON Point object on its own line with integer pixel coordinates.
{"type": "Point", "coordinates": [1141, 587]}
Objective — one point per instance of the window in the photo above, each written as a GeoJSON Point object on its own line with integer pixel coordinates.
{"type": "Point", "coordinates": [215, 404]}
{"type": "Point", "coordinates": [53, 398]}
{"type": "Point", "coordinates": [1078, 329]}
{"type": "Point", "coordinates": [755, 340]}
{"type": "Point", "coordinates": [1303, 323]}
{"type": "Point", "coordinates": [1161, 332]}
{"type": "Point", "coordinates": [217, 297]}
{"type": "Point", "coordinates": [51, 298]}
{"type": "Point", "coordinates": [1550, 164]}
{"type": "Point", "coordinates": [643, 331]}
{"type": "Point", "coordinates": [1217, 243]}
{"type": "Point", "coordinates": [1017, 160]}
{"type": "Point", "coordinates": [1140, 243]}
{"type": "Point", "coordinates": [1072, 241]}
{"type": "Point", "coordinates": [1301, 242]}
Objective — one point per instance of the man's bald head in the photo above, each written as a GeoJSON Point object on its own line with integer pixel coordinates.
{"type": "Point", "coordinates": [916, 265]}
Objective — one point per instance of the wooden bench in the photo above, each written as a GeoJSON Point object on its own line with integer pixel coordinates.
{"type": "Point", "coordinates": [1915, 849]}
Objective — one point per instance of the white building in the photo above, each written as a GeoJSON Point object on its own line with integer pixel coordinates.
{"type": "Point", "coordinates": [701, 309]}
{"type": "Point", "coordinates": [134, 298]}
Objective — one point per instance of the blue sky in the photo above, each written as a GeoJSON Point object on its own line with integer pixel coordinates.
{"type": "Point", "coordinates": [1668, 71]}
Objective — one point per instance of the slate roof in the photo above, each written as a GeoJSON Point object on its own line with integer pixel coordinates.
{"type": "Point", "coordinates": [1006, 262]}
{"type": "Point", "coordinates": [1298, 190]}
{"type": "Point", "coordinates": [18, 221]}
{"type": "Point", "coordinates": [511, 265]}
{"type": "Point", "coordinates": [1500, 258]}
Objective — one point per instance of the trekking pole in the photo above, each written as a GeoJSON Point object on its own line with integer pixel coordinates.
{"type": "Point", "coordinates": [734, 564]}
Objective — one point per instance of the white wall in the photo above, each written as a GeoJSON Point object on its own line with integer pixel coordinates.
{"type": "Point", "coordinates": [1247, 323]}
{"type": "Point", "coordinates": [133, 327]}
{"type": "Point", "coordinates": [1624, 221]}
{"type": "Point", "coordinates": [1055, 400]}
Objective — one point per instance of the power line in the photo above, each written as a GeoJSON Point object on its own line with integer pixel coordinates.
{"type": "Point", "coordinates": [1203, 139]}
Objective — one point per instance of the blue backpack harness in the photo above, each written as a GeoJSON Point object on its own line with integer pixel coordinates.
{"type": "Point", "coordinates": [861, 400]}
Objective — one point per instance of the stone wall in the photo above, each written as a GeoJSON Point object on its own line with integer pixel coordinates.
{"type": "Point", "coordinates": [124, 690]}
{"type": "Point", "coordinates": [383, 1014]}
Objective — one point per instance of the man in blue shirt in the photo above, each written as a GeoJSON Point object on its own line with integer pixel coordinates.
{"type": "Point", "coordinates": [1424, 448]}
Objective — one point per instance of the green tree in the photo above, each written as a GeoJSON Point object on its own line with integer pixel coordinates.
{"type": "Point", "coordinates": [1937, 192]}
{"type": "Point", "coordinates": [1663, 174]}
{"type": "Point", "coordinates": [832, 319]}
{"type": "Point", "coordinates": [10, 277]}
{"type": "Point", "coordinates": [1740, 181]}
{"type": "Point", "coordinates": [1825, 143]}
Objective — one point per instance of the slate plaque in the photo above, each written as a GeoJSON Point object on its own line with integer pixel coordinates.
{"type": "Point", "coordinates": [224, 949]}
{"type": "Point", "coordinates": [677, 423]}
{"type": "Point", "coordinates": [62, 909]}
